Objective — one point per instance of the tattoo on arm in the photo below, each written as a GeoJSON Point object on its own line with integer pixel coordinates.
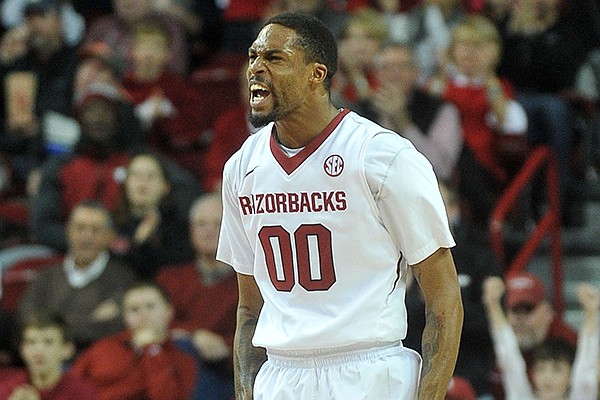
{"type": "Point", "coordinates": [430, 342]}
{"type": "Point", "coordinates": [247, 358]}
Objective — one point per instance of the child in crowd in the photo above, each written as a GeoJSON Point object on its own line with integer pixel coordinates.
{"type": "Point", "coordinates": [559, 372]}
{"type": "Point", "coordinates": [45, 346]}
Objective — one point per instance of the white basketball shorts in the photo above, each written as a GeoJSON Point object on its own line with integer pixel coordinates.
{"type": "Point", "coordinates": [376, 373]}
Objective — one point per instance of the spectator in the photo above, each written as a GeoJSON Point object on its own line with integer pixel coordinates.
{"type": "Point", "coordinates": [95, 170]}
{"type": "Point", "coordinates": [399, 104]}
{"type": "Point", "coordinates": [13, 15]}
{"type": "Point", "coordinates": [204, 293]}
{"type": "Point", "coordinates": [90, 172]}
{"type": "Point", "coordinates": [362, 36]}
{"type": "Point", "coordinates": [142, 362]}
{"type": "Point", "coordinates": [85, 289]}
{"type": "Point", "coordinates": [229, 131]}
{"type": "Point", "coordinates": [170, 107]}
{"type": "Point", "coordinates": [151, 232]}
{"type": "Point", "coordinates": [488, 113]}
{"type": "Point", "coordinates": [117, 31]}
{"type": "Point", "coordinates": [544, 45]}
{"type": "Point", "coordinates": [45, 346]}
{"type": "Point", "coordinates": [37, 90]}
{"type": "Point", "coordinates": [558, 373]}
{"type": "Point", "coordinates": [532, 319]}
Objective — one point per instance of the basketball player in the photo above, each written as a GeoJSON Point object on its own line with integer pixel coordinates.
{"type": "Point", "coordinates": [324, 213]}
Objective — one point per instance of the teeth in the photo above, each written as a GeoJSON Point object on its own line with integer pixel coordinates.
{"type": "Point", "coordinates": [255, 86]}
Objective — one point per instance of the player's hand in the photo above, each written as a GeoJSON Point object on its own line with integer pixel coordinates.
{"type": "Point", "coordinates": [25, 392]}
{"type": "Point", "coordinates": [589, 296]}
{"type": "Point", "coordinates": [493, 289]}
{"type": "Point", "coordinates": [212, 347]}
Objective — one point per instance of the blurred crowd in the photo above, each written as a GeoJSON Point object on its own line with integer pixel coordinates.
{"type": "Point", "coordinates": [118, 116]}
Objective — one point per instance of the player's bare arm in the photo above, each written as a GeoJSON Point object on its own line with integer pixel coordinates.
{"type": "Point", "coordinates": [247, 358]}
{"type": "Point", "coordinates": [444, 317]}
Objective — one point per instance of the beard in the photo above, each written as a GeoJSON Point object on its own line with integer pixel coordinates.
{"type": "Point", "coordinates": [258, 120]}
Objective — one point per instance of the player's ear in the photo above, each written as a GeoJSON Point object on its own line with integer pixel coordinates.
{"type": "Point", "coordinates": [319, 73]}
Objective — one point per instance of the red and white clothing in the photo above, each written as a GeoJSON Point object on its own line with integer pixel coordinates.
{"type": "Point", "coordinates": [328, 233]}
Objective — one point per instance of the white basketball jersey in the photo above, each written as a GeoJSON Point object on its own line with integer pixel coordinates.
{"type": "Point", "coordinates": [309, 230]}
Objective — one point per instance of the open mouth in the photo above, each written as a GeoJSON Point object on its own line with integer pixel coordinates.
{"type": "Point", "coordinates": [258, 95]}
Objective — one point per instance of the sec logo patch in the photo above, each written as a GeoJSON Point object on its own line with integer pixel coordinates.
{"type": "Point", "coordinates": [333, 165]}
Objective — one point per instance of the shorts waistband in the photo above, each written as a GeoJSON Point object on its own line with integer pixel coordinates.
{"type": "Point", "coordinates": [316, 358]}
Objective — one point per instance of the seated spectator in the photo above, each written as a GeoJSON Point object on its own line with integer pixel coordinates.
{"type": "Point", "coordinates": [141, 362]}
{"type": "Point", "coordinates": [489, 114]}
{"type": "Point", "coordinates": [95, 170]}
{"type": "Point", "coordinates": [13, 14]}
{"type": "Point", "coordinates": [532, 319]}
{"type": "Point", "coordinates": [354, 81]}
{"type": "Point", "coordinates": [45, 346]}
{"type": "Point", "coordinates": [204, 292]}
{"type": "Point", "coordinates": [36, 90]}
{"type": "Point", "coordinates": [169, 107]}
{"type": "Point", "coordinates": [399, 104]}
{"type": "Point", "coordinates": [13, 45]}
{"type": "Point", "coordinates": [85, 289]}
{"type": "Point", "coordinates": [558, 371]}
{"type": "Point", "coordinates": [117, 31]}
{"type": "Point", "coordinates": [151, 232]}
{"type": "Point", "coordinates": [544, 45]}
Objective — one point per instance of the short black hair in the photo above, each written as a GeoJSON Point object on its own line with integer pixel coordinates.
{"type": "Point", "coordinates": [314, 37]}
{"type": "Point", "coordinates": [554, 349]}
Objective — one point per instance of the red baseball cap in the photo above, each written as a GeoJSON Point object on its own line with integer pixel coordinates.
{"type": "Point", "coordinates": [524, 288]}
{"type": "Point", "coordinates": [460, 389]}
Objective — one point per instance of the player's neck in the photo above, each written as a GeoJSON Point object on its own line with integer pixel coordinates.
{"type": "Point", "coordinates": [300, 129]}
